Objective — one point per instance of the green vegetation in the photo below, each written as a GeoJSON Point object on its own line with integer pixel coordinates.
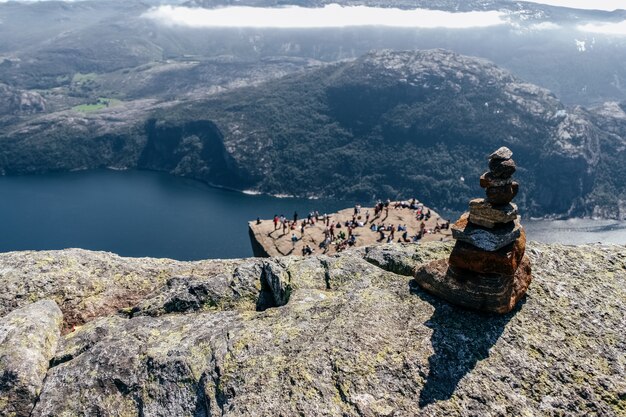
{"type": "Point", "coordinates": [84, 78]}
{"type": "Point", "coordinates": [100, 104]}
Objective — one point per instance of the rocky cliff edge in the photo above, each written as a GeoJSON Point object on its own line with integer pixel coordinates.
{"type": "Point", "coordinates": [93, 334]}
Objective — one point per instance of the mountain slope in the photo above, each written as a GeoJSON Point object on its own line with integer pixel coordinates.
{"type": "Point", "coordinates": [390, 124]}
{"type": "Point", "coordinates": [404, 123]}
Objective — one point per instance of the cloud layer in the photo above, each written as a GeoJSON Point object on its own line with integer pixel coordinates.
{"type": "Point", "coordinates": [605, 28]}
{"type": "Point", "coordinates": [331, 16]}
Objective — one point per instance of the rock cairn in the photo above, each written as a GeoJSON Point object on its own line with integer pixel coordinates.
{"type": "Point", "coordinates": [487, 269]}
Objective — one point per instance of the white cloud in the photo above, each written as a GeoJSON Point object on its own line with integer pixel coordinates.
{"type": "Point", "coordinates": [605, 28]}
{"type": "Point", "coordinates": [607, 5]}
{"type": "Point", "coordinates": [330, 16]}
{"type": "Point", "coordinates": [545, 26]}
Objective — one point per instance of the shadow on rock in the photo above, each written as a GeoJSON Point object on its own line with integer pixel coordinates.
{"type": "Point", "coordinates": [460, 339]}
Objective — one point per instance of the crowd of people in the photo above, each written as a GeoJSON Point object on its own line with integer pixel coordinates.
{"type": "Point", "coordinates": [343, 234]}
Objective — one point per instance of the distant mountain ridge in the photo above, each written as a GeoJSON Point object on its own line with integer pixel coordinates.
{"type": "Point", "coordinates": [388, 124]}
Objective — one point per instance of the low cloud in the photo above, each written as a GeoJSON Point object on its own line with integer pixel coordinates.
{"type": "Point", "coordinates": [331, 16]}
{"type": "Point", "coordinates": [545, 26]}
{"type": "Point", "coordinates": [607, 5]}
{"type": "Point", "coordinates": [605, 28]}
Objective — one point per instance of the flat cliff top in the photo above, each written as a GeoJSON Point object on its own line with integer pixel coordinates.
{"type": "Point", "coordinates": [266, 240]}
{"type": "Point", "coordinates": [342, 335]}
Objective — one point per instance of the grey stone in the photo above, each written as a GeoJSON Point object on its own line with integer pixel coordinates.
{"type": "Point", "coordinates": [501, 154]}
{"type": "Point", "coordinates": [28, 340]}
{"type": "Point", "coordinates": [352, 340]}
{"type": "Point", "coordinates": [502, 168]}
{"type": "Point", "coordinates": [486, 239]}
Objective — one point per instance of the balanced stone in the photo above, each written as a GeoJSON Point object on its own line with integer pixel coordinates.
{"type": "Point", "coordinates": [488, 215]}
{"type": "Point", "coordinates": [488, 180]}
{"type": "Point", "coordinates": [487, 269]}
{"type": "Point", "coordinates": [503, 153]}
{"type": "Point", "coordinates": [502, 168]}
{"type": "Point", "coordinates": [502, 195]}
{"type": "Point", "coordinates": [486, 239]}
{"type": "Point", "coordinates": [487, 292]}
{"type": "Point", "coordinates": [504, 261]}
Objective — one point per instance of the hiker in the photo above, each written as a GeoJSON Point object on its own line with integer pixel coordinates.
{"type": "Point", "coordinates": [294, 239]}
{"type": "Point", "coordinates": [295, 216]}
{"type": "Point", "coordinates": [367, 216]}
{"type": "Point", "coordinates": [275, 221]}
{"type": "Point", "coordinates": [332, 231]}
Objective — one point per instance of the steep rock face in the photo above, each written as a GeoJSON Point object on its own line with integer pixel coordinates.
{"type": "Point", "coordinates": [356, 337]}
{"type": "Point", "coordinates": [20, 102]}
{"type": "Point", "coordinates": [28, 341]}
{"type": "Point", "coordinates": [193, 149]}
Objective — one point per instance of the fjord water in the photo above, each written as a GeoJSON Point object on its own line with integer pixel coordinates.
{"type": "Point", "coordinates": [140, 213]}
{"type": "Point", "coordinates": [135, 213]}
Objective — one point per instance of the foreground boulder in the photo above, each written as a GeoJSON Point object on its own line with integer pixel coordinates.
{"type": "Point", "coordinates": [355, 337]}
{"type": "Point", "coordinates": [487, 269]}
{"type": "Point", "coordinates": [28, 340]}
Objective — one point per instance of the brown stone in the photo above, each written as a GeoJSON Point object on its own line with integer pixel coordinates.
{"type": "Point", "coordinates": [502, 195]}
{"type": "Point", "coordinates": [488, 215]}
{"type": "Point", "coordinates": [485, 292]}
{"type": "Point", "coordinates": [502, 168]}
{"type": "Point", "coordinates": [488, 180]}
{"type": "Point", "coordinates": [504, 261]}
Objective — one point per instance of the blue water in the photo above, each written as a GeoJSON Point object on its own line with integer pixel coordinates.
{"type": "Point", "coordinates": [139, 213]}
{"type": "Point", "coordinates": [135, 213]}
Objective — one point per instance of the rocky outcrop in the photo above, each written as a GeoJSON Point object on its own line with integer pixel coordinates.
{"type": "Point", "coordinates": [487, 269]}
{"type": "Point", "coordinates": [28, 341]}
{"type": "Point", "coordinates": [355, 337]}
{"type": "Point", "coordinates": [269, 239]}
{"type": "Point", "coordinates": [14, 101]}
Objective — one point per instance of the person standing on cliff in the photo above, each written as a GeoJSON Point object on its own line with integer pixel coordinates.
{"type": "Point", "coordinates": [275, 221]}
{"type": "Point", "coordinates": [295, 217]}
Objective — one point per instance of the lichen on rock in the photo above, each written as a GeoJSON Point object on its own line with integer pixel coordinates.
{"type": "Point", "coordinates": [356, 337]}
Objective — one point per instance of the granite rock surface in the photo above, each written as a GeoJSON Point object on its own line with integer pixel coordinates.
{"type": "Point", "coordinates": [354, 337]}
{"type": "Point", "coordinates": [28, 341]}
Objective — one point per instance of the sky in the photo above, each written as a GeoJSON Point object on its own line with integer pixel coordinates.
{"type": "Point", "coordinates": [608, 5]}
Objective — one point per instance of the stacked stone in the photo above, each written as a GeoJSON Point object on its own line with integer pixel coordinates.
{"type": "Point", "coordinates": [490, 238]}
{"type": "Point", "coordinates": [487, 269]}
